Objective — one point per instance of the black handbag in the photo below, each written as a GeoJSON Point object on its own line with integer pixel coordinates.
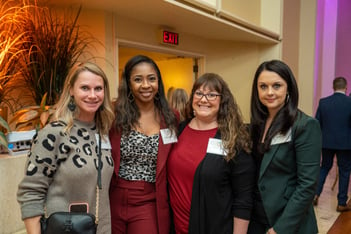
{"type": "Point", "coordinates": [73, 222]}
{"type": "Point", "coordinates": [68, 222]}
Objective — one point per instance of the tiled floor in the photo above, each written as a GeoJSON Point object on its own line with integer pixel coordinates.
{"type": "Point", "coordinates": [325, 211]}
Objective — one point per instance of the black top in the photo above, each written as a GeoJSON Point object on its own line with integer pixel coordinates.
{"type": "Point", "coordinates": [221, 190]}
{"type": "Point", "coordinates": [258, 213]}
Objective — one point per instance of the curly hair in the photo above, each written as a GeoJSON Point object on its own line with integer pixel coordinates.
{"type": "Point", "coordinates": [126, 110]}
{"type": "Point", "coordinates": [234, 132]}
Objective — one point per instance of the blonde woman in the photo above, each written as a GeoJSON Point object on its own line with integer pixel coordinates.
{"type": "Point", "coordinates": [62, 165]}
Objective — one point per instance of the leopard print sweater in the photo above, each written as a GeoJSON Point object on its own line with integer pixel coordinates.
{"type": "Point", "coordinates": [62, 169]}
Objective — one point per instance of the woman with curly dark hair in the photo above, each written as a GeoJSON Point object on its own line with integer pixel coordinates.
{"type": "Point", "coordinates": [142, 136]}
{"type": "Point", "coordinates": [211, 171]}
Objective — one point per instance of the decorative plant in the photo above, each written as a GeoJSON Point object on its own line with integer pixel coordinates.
{"type": "Point", "coordinates": [33, 116]}
{"type": "Point", "coordinates": [10, 50]}
{"type": "Point", "coordinates": [38, 46]}
{"type": "Point", "coordinates": [10, 44]}
{"type": "Point", "coordinates": [53, 43]}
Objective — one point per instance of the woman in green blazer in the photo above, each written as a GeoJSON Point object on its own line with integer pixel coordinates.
{"type": "Point", "coordinates": [287, 147]}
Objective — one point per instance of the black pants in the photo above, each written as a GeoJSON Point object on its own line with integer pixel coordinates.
{"type": "Point", "coordinates": [256, 227]}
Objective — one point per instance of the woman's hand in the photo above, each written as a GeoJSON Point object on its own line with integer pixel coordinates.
{"type": "Point", "coordinates": [33, 225]}
{"type": "Point", "coordinates": [271, 231]}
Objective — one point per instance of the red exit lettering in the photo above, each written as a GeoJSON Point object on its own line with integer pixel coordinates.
{"type": "Point", "coordinates": [170, 38]}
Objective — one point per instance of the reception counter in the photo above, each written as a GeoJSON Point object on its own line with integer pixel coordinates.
{"type": "Point", "coordinates": [11, 173]}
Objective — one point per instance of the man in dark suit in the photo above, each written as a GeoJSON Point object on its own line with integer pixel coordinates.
{"type": "Point", "coordinates": [334, 115]}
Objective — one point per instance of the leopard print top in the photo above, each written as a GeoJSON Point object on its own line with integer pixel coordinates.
{"type": "Point", "coordinates": [138, 157]}
{"type": "Point", "coordinates": [62, 169]}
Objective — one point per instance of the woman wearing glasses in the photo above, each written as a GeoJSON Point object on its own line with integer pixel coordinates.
{"type": "Point", "coordinates": [210, 170]}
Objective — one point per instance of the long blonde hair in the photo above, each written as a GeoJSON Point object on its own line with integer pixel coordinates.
{"type": "Point", "coordinates": [104, 116]}
{"type": "Point", "coordinates": [179, 99]}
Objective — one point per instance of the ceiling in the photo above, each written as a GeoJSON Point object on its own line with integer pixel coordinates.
{"type": "Point", "coordinates": [177, 15]}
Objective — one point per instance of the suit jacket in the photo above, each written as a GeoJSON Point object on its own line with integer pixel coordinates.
{"type": "Point", "coordinates": [334, 115]}
{"type": "Point", "coordinates": [162, 201]}
{"type": "Point", "coordinates": [288, 177]}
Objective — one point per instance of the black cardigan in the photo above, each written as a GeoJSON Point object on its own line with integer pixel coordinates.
{"type": "Point", "coordinates": [221, 191]}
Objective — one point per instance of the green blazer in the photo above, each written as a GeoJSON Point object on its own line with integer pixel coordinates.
{"type": "Point", "coordinates": [288, 177]}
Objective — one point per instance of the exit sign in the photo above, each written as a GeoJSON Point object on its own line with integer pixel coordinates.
{"type": "Point", "coordinates": [170, 37]}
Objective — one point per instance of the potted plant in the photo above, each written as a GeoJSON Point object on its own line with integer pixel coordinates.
{"type": "Point", "coordinates": [10, 45]}
{"type": "Point", "coordinates": [32, 117]}
{"type": "Point", "coordinates": [49, 45]}
{"type": "Point", "coordinates": [38, 47]}
{"type": "Point", "coordinates": [53, 44]}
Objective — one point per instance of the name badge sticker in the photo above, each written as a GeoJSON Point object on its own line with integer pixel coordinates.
{"type": "Point", "coordinates": [168, 136]}
{"type": "Point", "coordinates": [105, 141]}
{"type": "Point", "coordinates": [215, 146]}
{"type": "Point", "coordinates": [280, 138]}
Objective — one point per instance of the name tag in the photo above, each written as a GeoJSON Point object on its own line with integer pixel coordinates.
{"type": "Point", "coordinates": [105, 141]}
{"type": "Point", "coordinates": [280, 138]}
{"type": "Point", "coordinates": [215, 146]}
{"type": "Point", "coordinates": [168, 136]}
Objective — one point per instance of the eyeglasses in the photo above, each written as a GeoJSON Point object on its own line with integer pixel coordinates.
{"type": "Point", "coordinates": [209, 96]}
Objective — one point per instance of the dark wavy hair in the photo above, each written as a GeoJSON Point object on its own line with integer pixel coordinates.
{"type": "Point", "coordinates": [234, 132]}
{"type": "Point", "coordinates": [285, 117]}
{"type": "Point", "coordinates": [126, 110]}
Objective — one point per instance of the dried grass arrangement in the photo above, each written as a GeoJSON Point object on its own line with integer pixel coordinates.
{"type": "Point", "coordinates": [38, 46]}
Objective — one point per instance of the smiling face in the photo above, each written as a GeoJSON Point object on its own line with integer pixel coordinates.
{"type": "Point", "coordinates": [88, 93]}
{"type": "Point", "coordinates": [144, 83]}
{"type": "Point", "coordinates": [204, 109]}
{"type": "Point", "coordinates": [272, 91]}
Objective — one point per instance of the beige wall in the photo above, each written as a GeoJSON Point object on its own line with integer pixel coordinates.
{"type": "Point", "coordinates": [291, 38]}
{"type": "Point", "coordinates": [306, 59]}
{"type": "Point", "coordinates": [11, 173]}
{"type": "Point", "coordinates": [100, 24]}
{"type": "Point", "coordinates": [271, 15]}
{"type": "Point", "coordinates": [248, 10]}
{"type": "Point", "coordinates": [299, 30]}
{"type": "Point", "coordinates": [236, 63]}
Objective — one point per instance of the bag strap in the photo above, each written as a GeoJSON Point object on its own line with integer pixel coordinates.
{"type": "Point", "coordinates": [99, 185]}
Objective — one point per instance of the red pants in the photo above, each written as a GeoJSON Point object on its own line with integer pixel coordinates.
{"type": "Point", "coordinates": [133, 207]}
